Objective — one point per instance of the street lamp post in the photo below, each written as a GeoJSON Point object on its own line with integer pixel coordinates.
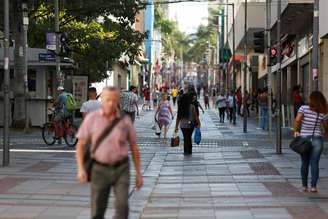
{"type": "Point", "coordinates": [25, 51]}
{"type": "Point", "coordinates": [245, 73]}
{"type": "Point", "coordinates": [315, 40]}
{"type": "Point", "coordinates": [6, 150]}
{"type": "Point", "coordinates": [279, 123]}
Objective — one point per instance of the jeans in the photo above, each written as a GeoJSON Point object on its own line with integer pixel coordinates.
{"type": "Point", "coordinates": [187, 140]}
{"type": "Point", "coordinates": [312, 158]}
{"type": "Point", "coordinates": [230, 114]}
{"type": "Point", "coordinates": [221, 113]}
{"type": "Point", "coordinates": [264, 117]}
{"type": "Point", "coordinates": [103, 178]}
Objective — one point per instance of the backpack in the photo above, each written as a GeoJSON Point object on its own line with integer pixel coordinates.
{"type": "Point", "coordinates": [70, 102]}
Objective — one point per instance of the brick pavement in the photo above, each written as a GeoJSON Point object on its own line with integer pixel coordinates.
{"type": "Point", "coordinates": [230, 175]}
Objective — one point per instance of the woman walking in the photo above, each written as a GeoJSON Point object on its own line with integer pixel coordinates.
{"type": "Point", "coordinates": [164, 114]}
{"type": "Point", "coordinates": [221, 103]}
{"type": "Point", "coordinates": [308, 125]}
{"type": "Point", "coordinates": [187, 119]}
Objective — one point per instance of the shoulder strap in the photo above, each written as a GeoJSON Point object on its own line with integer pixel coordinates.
{"type": "Point", "coordinates": [315, 124]}
{"type": "Point", "coordinates": [106, 132]}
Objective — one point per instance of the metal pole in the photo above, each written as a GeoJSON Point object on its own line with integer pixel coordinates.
{"type": "Point", "coordinates": [227, 36]}
{"type": "Point", "coordinates": [234, 59]}
{"type": "Point", "coordinates": [268, 40]}
{"type": "Point", "coordinates": [278, 143]}
{"type": "Point", "coordinates": [245, 73]}
{"type": "Point", "coordinates": [234, 48]}
{"type": "Point", "coordinates": [25, 51]}
{"type": "Point", "coordinates": [315, 42]}
{"type": "Point", "coordinates": [6, 150]}
{"type": "Point", "coordinates": [58, 70]}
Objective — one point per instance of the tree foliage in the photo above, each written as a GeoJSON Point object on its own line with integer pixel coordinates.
{"type": "Point", "coordinates": [98, 31]}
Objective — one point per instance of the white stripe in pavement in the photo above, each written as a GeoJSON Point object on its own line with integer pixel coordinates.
{"type": "Point", "coordinates": [43, 151]}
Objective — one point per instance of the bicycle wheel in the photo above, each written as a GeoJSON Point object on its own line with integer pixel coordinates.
{"type": "Point", "coordinates": [49, 134]}
{"type": "Point", "coordinates": [70, 135]}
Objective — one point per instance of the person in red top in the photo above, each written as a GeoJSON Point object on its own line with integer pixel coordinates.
{"type": "Point", "coordinates": [146, 94]}
{"type": "Point", "coordinates": [239, 100]}
{"type": "Point", "coordinates": [297, 99]}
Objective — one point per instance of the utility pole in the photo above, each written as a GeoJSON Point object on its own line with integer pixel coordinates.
{"type": "Point", "coordinates": [6, 150]}
{"type": "Point", "coordinates": [227, 40]}
{"type": "Point", "coordinates": [278, 143]}
{"type": "Point", "coordinates": [268, 41]}
{"type": "Point", "coordinates": [58, 70]}
{"type": "Point", "coordinates": [315, 42]}
{"type": "Point", "coordinates": [233, 59]}
{"type": "Point", "coordinates": [25, 52]}
{"type": "Point", "coordinates": [245, 73]}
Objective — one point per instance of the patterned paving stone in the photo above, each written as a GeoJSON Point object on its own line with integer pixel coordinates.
{"type": "Point", "coordinates": [306, 212]}
{"type": "Point", "coordinates": [261, 168]}
{"type": "Point", "coordinates": [10, 182]}
{"type": "Point", "coordinates": [42, 166]}
{"type": "Point", "coordinates": [283, 189]}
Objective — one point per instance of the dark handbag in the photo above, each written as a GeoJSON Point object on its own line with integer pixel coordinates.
{"type": "Point", "coordinates": [175, 141]}
{"type": "Point", "coordinates": [302, 145]}
{"type": "Point", "coordinates": [87, 159]}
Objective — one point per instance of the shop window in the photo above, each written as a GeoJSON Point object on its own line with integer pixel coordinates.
{"type": "Point", "coordinates": [31, 80]}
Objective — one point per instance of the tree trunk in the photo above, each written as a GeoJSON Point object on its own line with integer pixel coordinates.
{"type": "Point", "coordinates": [18, 82]}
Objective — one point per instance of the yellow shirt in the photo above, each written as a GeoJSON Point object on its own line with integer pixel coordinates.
{"type": "Point", "coordinates": [175, 92]}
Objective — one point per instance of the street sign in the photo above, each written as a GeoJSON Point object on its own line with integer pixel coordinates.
{"type": "Point", "coordinates": [47, 57]}
{"type": "Point", "coordinates": [51, 41]}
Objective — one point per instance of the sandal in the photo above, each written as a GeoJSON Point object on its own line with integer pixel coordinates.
{"type": "Point", "coordinates": [305, 189]}
{"type": "Point", "coordinates": [314, 190]}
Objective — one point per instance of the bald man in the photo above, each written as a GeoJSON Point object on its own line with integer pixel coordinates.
{"type": "Point", "coordinates": [111, 164]}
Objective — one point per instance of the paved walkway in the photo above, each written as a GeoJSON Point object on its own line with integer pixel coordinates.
{"type": "Point", "coordinates": [230, 175]}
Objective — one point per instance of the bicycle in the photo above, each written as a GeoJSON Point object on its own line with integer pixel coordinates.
{"type": "Point", "coordinates": [68, 132]}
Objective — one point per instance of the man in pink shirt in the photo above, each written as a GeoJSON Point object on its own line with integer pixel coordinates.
{"type": "Point", "coordinates": [111, 164]}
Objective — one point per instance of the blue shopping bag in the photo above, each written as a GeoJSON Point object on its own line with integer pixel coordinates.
{"type": "Point", "coordinates": [197, 136]}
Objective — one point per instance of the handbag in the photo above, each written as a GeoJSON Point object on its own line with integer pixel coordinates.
{"type": "Point", "coordinates": [175, 140]}
{"type": "Point", "coordinates": [197, 136]}
{"type": "Point", "coordinates": [87, 159]}
{"type": "Point", "coordinates": [303, 145]}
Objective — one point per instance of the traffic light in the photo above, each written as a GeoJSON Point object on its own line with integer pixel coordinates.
{"type": "Point", "coordinates": [273, 55]}
{"type": "Point", "coordinates": [258, 42]}
{"type": "Point", "coordinates": [64, 47]}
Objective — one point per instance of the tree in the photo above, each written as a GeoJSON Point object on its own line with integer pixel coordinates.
{"type": "Point", "coordinates": [92, 42]}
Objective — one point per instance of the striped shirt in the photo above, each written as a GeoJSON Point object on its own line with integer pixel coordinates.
{"type": "Point", "coordinates": [309, 120]}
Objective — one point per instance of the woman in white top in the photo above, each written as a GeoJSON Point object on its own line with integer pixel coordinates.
{"type": "Point", "coordinates": [308, 125]}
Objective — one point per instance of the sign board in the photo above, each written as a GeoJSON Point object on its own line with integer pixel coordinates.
{"type": "Point", "coordinates": [80, 89]}
{"type": "Point", "coordinates": [47, 57]}
{"type": "Point", "coordinates": [51, 41]}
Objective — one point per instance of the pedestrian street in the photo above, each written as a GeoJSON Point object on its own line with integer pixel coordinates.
{"type": "Point", "coordinates": [230, 175]}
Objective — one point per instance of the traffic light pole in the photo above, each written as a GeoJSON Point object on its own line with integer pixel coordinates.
{"type": "Point", "coordinates": [58, 70]}
{"type": "Point", "coordinates": [268, 41]}
{"type": "Point", "coordinates": [278, 132]}
{"type": "Point", "coordinates": [245, 73]}
{"type": "Point", "coordinates": [6, 150]}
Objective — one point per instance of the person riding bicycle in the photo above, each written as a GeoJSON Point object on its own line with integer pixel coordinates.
{"type": "Point", "coordinates": [65, 105]}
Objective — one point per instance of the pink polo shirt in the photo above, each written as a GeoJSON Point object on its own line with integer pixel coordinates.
{"type": "Point", "coordinates": [114, 147]}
